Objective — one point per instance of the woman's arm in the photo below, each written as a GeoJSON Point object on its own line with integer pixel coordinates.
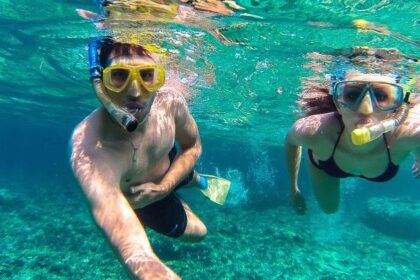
{"type": "Point", "coordinates": [415, 120]}
{"type": "Point", "coordinates": [408, 135]}
{"type": "Point", "coordinates": [293, 151]}
{"type": "Point", "coordinates": [305, 132]}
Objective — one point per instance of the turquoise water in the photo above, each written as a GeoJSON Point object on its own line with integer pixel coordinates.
{"type": "Point", "coordinates": [243, 98]}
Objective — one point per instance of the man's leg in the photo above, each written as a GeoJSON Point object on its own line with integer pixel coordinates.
{"type": "Point", "coordinates": [195, 230]}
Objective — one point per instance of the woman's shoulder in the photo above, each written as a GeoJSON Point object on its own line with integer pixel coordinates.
{"type": "Point", "coordinates": [316, 124]}
{"type": "Point", "coordinates": [312, 130]}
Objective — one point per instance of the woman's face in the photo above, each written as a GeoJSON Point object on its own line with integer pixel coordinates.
{"type": "Point", "coordinates": [366, 113]}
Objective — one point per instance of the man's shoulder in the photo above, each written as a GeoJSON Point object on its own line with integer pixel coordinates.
{"type": "Point", "coordinates": [170, 94]}
{"type": "Point", "coordinates": [171, 100]}
{"type": "Point", "coordinates": [86, 129]}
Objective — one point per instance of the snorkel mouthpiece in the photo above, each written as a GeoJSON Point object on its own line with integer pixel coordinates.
{"type": "Point", "coordinates": [363, 135]}
{"type": "Point", "coordinates": [129, 124]}
{"type": "Point", "coordinates": [121, 116]}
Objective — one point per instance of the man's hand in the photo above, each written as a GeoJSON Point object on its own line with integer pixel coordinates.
{"type": "Point", "coordinates": [415, 169]}
{"type": "Point", "coordinates": [145, 194]}
{"type": "Point", "coordinates": [298, 203]}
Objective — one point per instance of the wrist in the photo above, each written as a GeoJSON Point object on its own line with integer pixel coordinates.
{"type": "Point", "coordinates": [164, 187]}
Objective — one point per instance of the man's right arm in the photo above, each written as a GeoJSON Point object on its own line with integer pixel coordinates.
{"type": "Point", "coordinates": [111, 211]}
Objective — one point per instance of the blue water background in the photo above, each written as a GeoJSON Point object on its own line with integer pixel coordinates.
{"type": "Point", "coordinates": [45, 228]}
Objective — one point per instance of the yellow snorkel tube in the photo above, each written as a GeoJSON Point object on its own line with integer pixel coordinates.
{"type": "Point", "coordinates": [365, 134]}
{"type": "Point", "coordinates": [121, 116]}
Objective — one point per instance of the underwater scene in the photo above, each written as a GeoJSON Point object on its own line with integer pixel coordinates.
{"type": "Point", "coordinates": [241, 74]}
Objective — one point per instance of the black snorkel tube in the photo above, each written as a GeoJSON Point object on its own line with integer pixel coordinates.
{"type": "Point", "coordinates": [121, 116]}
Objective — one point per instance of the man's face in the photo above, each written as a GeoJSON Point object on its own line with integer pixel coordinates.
{"type": "Point", "coordinates": [131, 82]}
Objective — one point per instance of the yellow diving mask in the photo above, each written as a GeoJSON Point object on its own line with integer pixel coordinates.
{"type": "Point", "coordinates": [116, 78]}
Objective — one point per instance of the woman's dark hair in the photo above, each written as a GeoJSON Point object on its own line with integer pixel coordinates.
{"type": "Point", "coordinates": [316, 99]}
{"type": "Point", "coordinates": [121, 49]}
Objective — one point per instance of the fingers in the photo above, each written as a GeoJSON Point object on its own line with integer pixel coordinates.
{"type": "Point", "coordinates": [146, 187]}
{"type": "Point", "coordinates": [136, 189]}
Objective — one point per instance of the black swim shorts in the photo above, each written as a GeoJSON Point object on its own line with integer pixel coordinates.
{"type": "Point", "coordinates": [166, 216]}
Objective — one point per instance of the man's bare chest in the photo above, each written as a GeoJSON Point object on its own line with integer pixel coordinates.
{"type": "Point", "coordinates": [145, 159]}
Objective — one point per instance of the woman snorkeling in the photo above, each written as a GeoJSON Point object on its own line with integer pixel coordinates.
{"type": "Point", "coordinates": [364, 123]}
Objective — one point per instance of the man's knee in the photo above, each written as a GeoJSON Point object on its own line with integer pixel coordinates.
{"type": "Point", "coordinates": [199, 236]}
{"type": "Point", "coordinates": [195, 235]}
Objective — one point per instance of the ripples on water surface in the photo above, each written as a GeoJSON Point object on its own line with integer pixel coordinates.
{"type": "Point", "coordinates": [44, 58]}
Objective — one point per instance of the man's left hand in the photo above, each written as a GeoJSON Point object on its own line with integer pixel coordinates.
{"type": "Point", "coordinates": [145, 194]}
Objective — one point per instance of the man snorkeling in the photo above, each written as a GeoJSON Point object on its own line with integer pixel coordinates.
{"type": "Point", "coordinates": [132, 154]}
{"type": "Point", "coordinates": [363, 124]}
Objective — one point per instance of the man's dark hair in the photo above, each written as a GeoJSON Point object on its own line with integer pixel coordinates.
{"type": "Point", "coordinates": [121, 49]}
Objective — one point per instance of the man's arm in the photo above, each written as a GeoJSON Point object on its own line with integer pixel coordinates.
{"type": "Point", "coordinates": [188, 138]}
{"type": "Point", "coordinates": [112, 212]}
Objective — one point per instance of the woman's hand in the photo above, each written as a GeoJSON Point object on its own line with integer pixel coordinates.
{"type": "Point", "coordinates": [145, 194]}
{"type": "Point", "coordinates": [298, 202]}
{"type": "Point", "coordinates": [415, 169]}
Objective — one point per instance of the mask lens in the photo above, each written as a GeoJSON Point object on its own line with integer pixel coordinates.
{"type": "Point", "coordinates": [152, 77]}
{"type": "Point", "coordinates": [148, 76]}
{"type": "Point", "coordinates": [387, 96]}
{"type": "Point", "coordinates": [118, 77]}
{"type": "Point", "coordinates": [349, 94]}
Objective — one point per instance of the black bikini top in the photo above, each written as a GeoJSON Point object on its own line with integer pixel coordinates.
{"type": "Point", "coordinates": [330, 167]}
